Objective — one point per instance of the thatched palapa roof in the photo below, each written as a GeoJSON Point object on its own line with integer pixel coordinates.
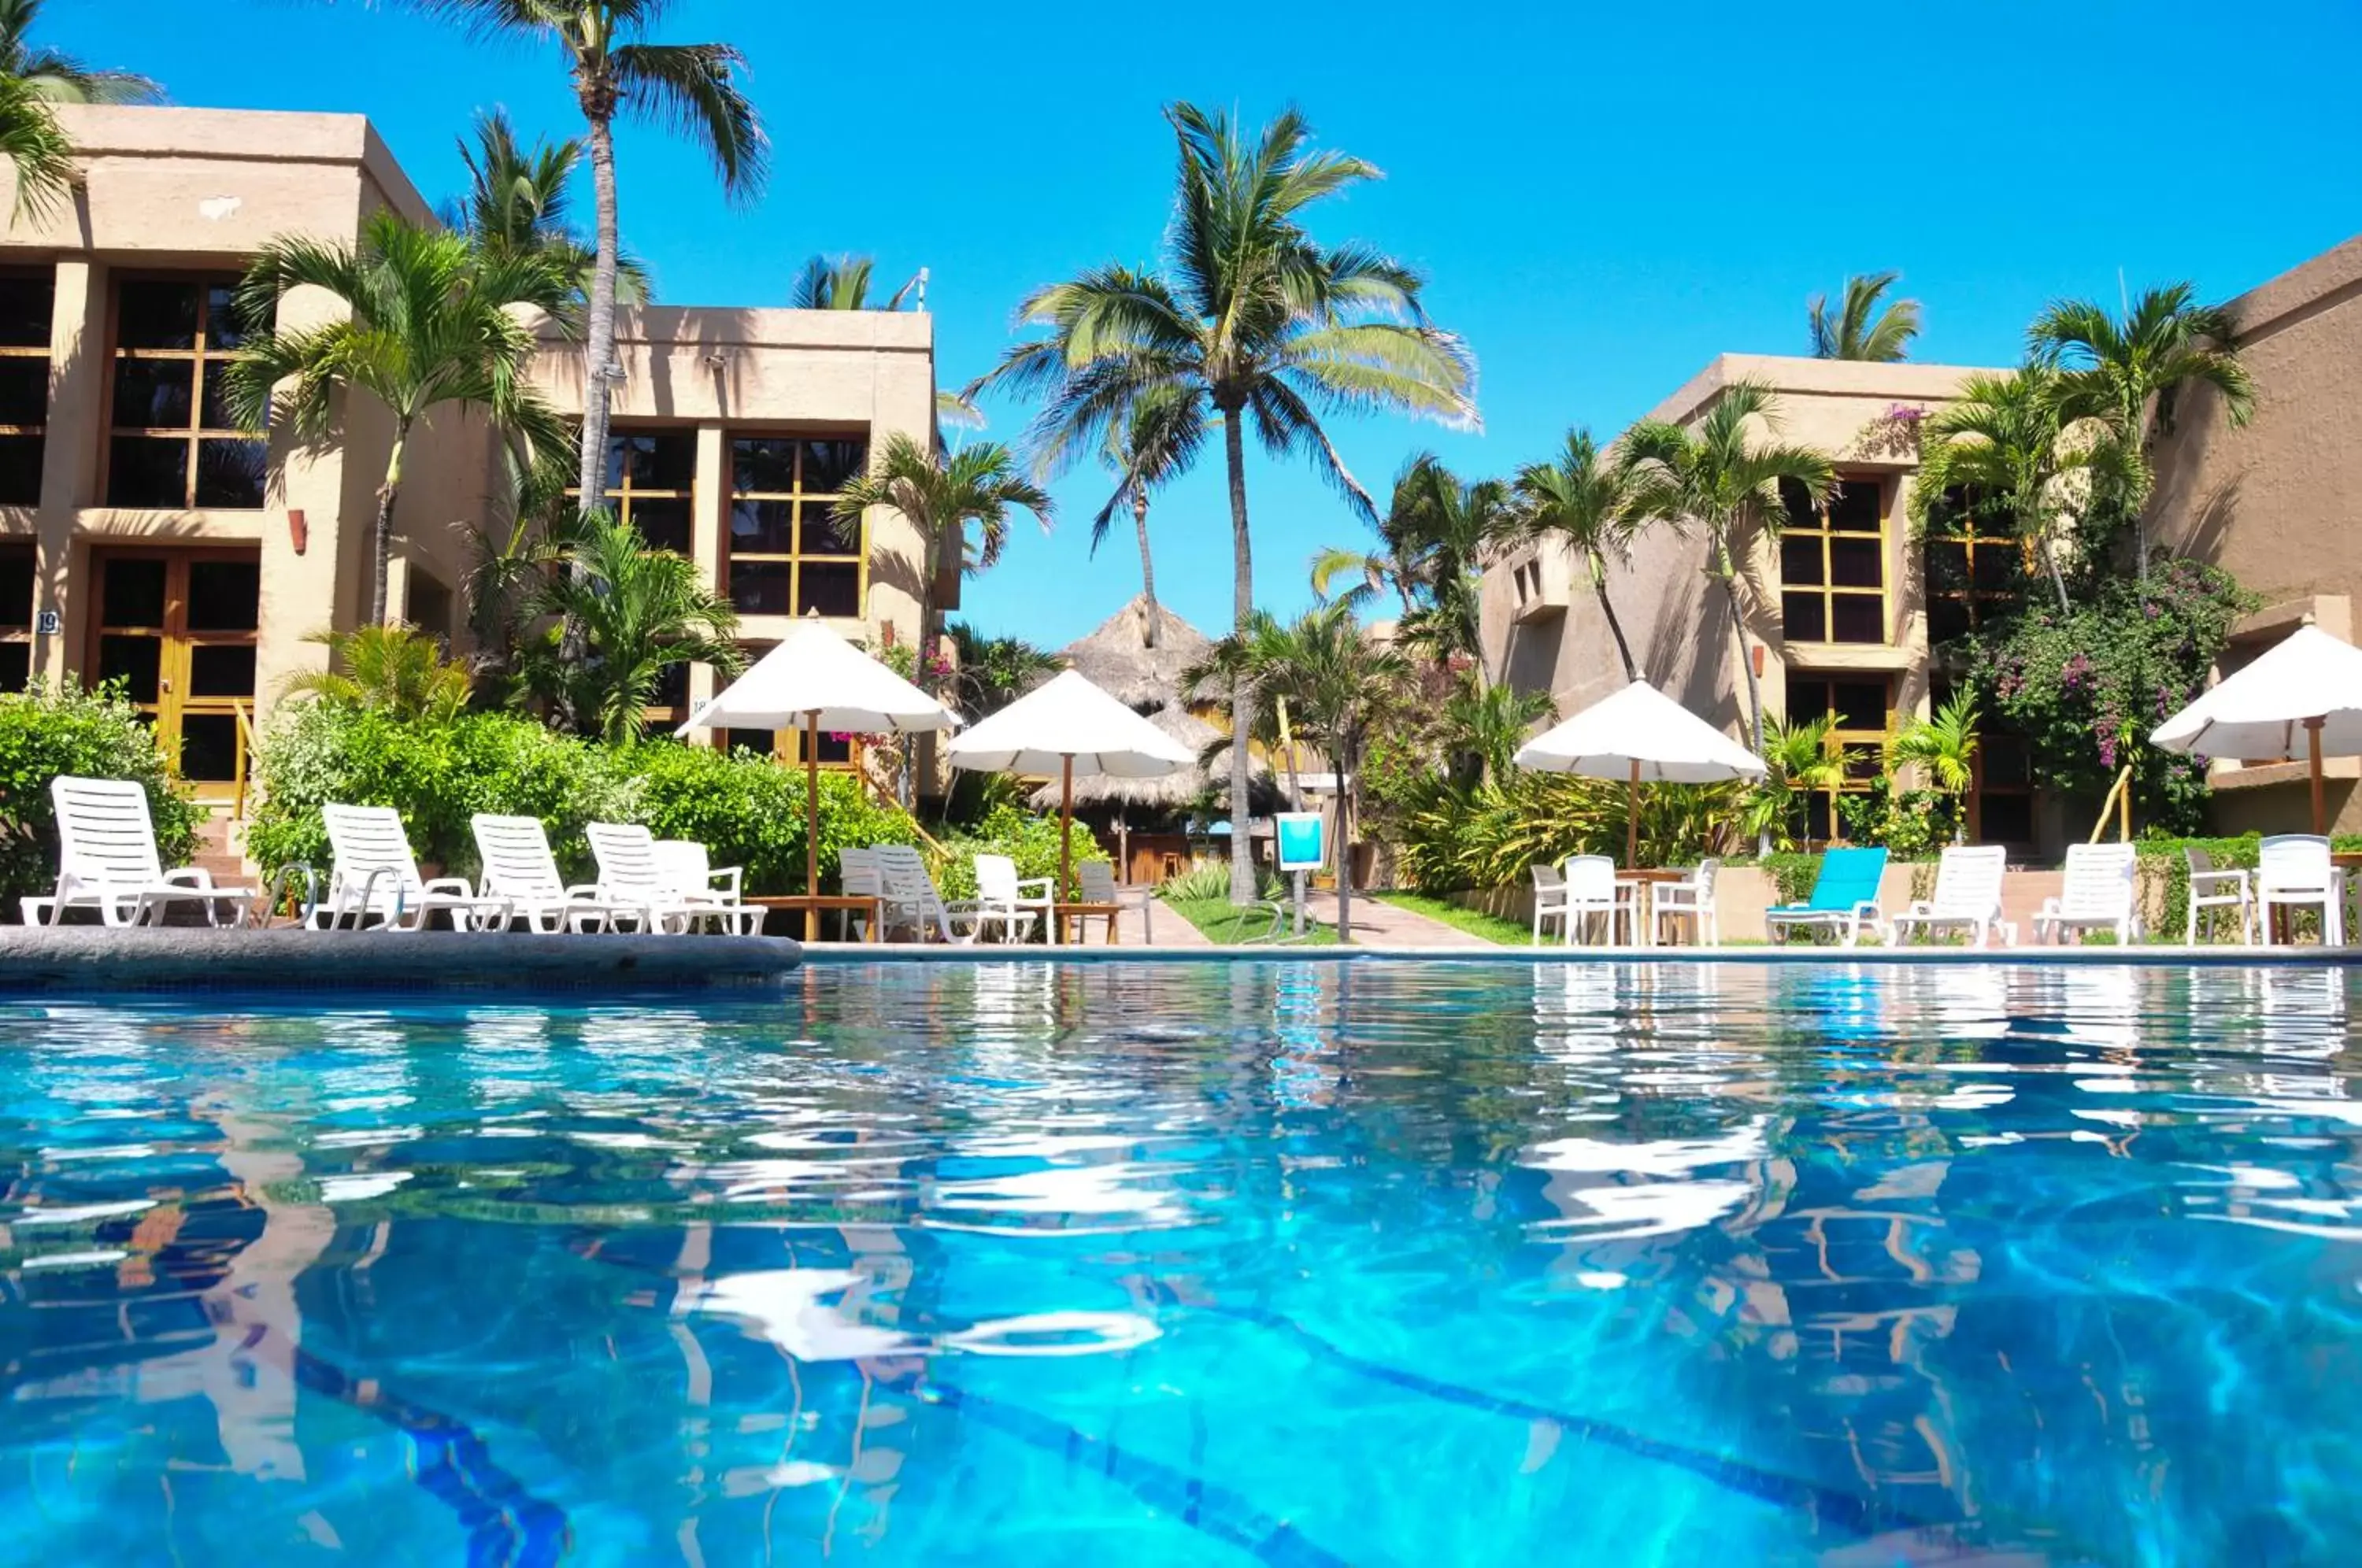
{"type": "Point", "coordinates": [1168, 793]}
{"type": "Point", "coordinates": [1117, 660]}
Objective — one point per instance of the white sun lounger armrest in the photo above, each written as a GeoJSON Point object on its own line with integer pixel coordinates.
{"type": "Point", "coordinates": [459, 886]}
{"type": "Point", "coordinates": [727, 879]}
{"type": "Point", "coordinates": [189, 877]}
{"type": "Point", "coordinates": [586, 892]}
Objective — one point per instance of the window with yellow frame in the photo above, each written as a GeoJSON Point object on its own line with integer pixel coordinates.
{"type": "Point", "coordinates": [1833, 564]}
{"type": "Point", "coordinates": [789, 553]}
{"type": "Point", "coordinates": [1974, 562]}
{"type": "Point", "coordinates": [1858, 709]}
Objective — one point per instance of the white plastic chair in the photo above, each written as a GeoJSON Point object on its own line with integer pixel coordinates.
{"type": "Point", "coordinates": [1002, 899]}
{"type": "Point", "coordinates": [629, 878]}
{"type": "Point", "coordinates": [1691, 898]}
{"type": "Point", "coordinates": [857, 877]}
{"type": "Point", "coordinates": [1550, 902]}
{"type": "Point", "coordinates": [716, 893]}
{"type": "Point", "coordinates": [2294, 871]}
{"type": "Point", "coordinates": [2099, 891]}
{"type": "Point", "coordinates": [373, 875]}
{"type": "Point", "coordinates": [1591, 889]}
{"type": "Point", "coordinates": [1095, 880]}
{"type": "Point", "coordinates": [911, 899]}
{"type": "Point", "coordinates": [2218, 888]}
{"type": "Point", "coordinates": [1968, 893]}
{"type": "Point", "coordinates": [518, 866]}
{"type": "Point", "coordinates": [107, 862]}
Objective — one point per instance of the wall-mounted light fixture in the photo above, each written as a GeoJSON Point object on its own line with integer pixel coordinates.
{"type": "Point", "coordinates": [299, 533]}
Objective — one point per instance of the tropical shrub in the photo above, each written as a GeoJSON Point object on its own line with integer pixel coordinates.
{"type": "Point", "coordinates": [749, 812]}
{"type": "Point", "coordinates": [1487, 836]}
{"type": "Point", "coordinates": [44, 734]}
{"type": "Point", "coordinates": [1029, 840]}
{"type": "Point", "coordinates": [1910, 824]}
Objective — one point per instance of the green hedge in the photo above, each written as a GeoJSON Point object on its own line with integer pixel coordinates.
{"type": "Point", "coordinates": [747, 811]}
{"type": "Point", "coordinates": [44, 734]}
{"type": "Point", "coordinates": [1031, 841]}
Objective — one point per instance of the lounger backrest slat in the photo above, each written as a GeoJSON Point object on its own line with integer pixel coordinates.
{"type": "Point", "coordinates": [1590, 879]}
{"type": "Point", "coordinates": [2099, 882]}
{"type": "Point", "coordinates": [1968, 881]}
{"type": "Point", "coordinates": [104, 833]}
{"type": "Point", "coordinates": [626, 854]}
{"type": "Point", "coordinates": [2291, 861]}
{"type": "Point", "coordinates": [858, 873]}
{"type": "Point", "coordinates": [1847, 879]}
{"type": "Point", "coordinates": [517, 860]}
{"type": "Point", "coordinates": [367, 841]}
{"type": "Point", "coordinates": [683, 865]}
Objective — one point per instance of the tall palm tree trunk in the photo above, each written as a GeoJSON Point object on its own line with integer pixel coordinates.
{"type": "Point", "coordinates": [1234, 452]}
{"type": "Point", "coordinates": [382, 541]}
{"type": "Point", "coordinates": [1754, 691]}
{"type": "Point", "coordinates": [1607, 608]}
{"type": "Point", "coordinates": [1345, 775]}
{"type": "Point", "coordinates": [599, 330]}
{"type": "Point", "coordinates": [1147, 567]}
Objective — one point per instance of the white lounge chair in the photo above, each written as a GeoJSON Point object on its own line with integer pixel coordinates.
{"type": "Point", "coordinates": [1096, 881]}
{"type": "Point", "coordinates": [1590, 889]}
{"type": "Point", "coordinates": [2217, 887]}
{"type": "Point", "coordinates": [1691, 898]}
{"type": "Point", "coordinates": [2099, 892]}
{"type": "Point", "coordinates": [629, 878]}
{"type": "Point", "coordinates": [518, 866]}
{"type": "Point", "coordinates": [1003, 899]}
{"type": "Point", "coordinates": [857, 877]}
{"type": "Point", "coordinates": [2293, 871]}
{"type": "Point", "coordinates": [1968, 894]}
{"type": "Point", "coordinates": [716, 892]}
{"type": "Point", "coordinates": [107, 862]}
{"type": "Point", "coordinates": [373, 875]}
{"type": "Point", "coordinates": [911, 900]}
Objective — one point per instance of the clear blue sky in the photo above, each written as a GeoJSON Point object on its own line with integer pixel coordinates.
{"type": "Point", "coordinates": [1604, 198]}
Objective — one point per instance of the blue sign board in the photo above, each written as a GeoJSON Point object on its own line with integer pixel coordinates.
{"type": "Point", "coordinates": [1302, 845]}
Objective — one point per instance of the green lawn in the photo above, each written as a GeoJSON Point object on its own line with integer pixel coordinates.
{"type": "Point", "coordinates": [1491, 928]}
{"type": "Point", "coordinates": [1225, 922]}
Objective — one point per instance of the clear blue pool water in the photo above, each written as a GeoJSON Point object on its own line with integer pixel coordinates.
{"type": "Point", "coordinates": [1380, 1263]}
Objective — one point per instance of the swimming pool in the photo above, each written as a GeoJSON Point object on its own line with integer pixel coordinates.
{"type": "Point", "coordinates": [1193, 1262]}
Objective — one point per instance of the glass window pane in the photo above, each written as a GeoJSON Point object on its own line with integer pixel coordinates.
{"type": "Point", "coordinates": [1799, 559]}
{"type": "Point", "coordinates": [154, 394]}
{"type": "Point", "coordinates": [224, 596]}
{"type": "Point", "coordinates": [1864, 762]}
{"type": "Point", "coordinates": [1859, 704]}
{"type": "Point", "coordinates": [829, 748]}
{"type": "Point", "coordinates": [1856, 507]}
{"type": "Point", "coordinates": [136, 661]}
{"type": "Point", "coordinates": [24, 391]}
{"type": "Point", "coordinates": [155, 314]}
{"type": "Point", "coordinates": [221, 669]}
{"type": "Point", "coordinates": [665, 461]}
{"type": "Point", "coordinates": [15, 666]}
{"type": "Point", "coordinates": [662, 522]}
{"type": "Point", "coordinates": [826, 534]}
{"type": "Point", "coordinates": [832, 588]}
{"type": "Point", "coordinates": [1806, 698]}
{"type": "Point", "coordinates": [146, 470]}
{"type": "Point", "coordinates": [222, 328]}
{"type": "Point", "coordinates": [230, 472]}
{"type": "Point", "coordinates": [2005, 818]}
{"type": "Point", "coordinates": [672, 687]}
{"type": "Point", "coordinates": [1799, 503]}
{"type": "Point", "coordinates": [15, 588]}
{"type": "Point", "coordinates": [760, 466]}
{"type": "Point", "coordinates": [1857, 618]}
{"type": "Point", "coordinates": [1947, 619]}
{"type": "Point", "coordinates": [761, 527]}
{"type": "Point", "coordinates": [133, 594]}
{"type": "Point", "coordinates": [1945, 564]}
{"type": "Point", "coordinates": [20, 470]}
{"type": "Point", "coordinates": [829, 464]}
{"type": "Point", "coordinates": [1997, 566]}
{"type": "Point", "coordinates": [763, 743]}
{"type": "Point", "coordinates": [1802, 619]}
{"type": "Point", "coordinates": [209, 746]}
{"type": "Point", "coordinates": [759, 588]}
{"type": "Point", "coordinates": [26, 300]}
{"type": "Point", "coordinates": [1817, 817]}
{"type": "Point", "coordinates": [216, 413]}
{"type": "Point", "coordinates": [1856, 563]}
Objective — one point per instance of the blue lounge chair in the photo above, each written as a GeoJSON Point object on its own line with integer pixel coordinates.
{"type": "Point", "coordinates": [1845, 897]}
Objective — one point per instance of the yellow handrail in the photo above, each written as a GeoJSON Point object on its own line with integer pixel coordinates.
{"type": "Point", "coordinates": [2120, 798]}
{"type": "Point", "coordinates": [237, 768]}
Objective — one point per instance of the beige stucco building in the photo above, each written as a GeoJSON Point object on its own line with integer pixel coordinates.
{"type": "Point", "coordinates": [143, 536]}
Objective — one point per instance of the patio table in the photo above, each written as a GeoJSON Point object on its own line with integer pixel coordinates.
{"type": "Point", "coordinates": [1641, 880]}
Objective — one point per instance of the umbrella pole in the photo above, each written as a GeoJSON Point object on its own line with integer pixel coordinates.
{"type": "Point", "coordinates": [1632, 822]}
{"type": "Point", "coordinates": [1066, 844]}
{"type": "Point", "coordinates": [812, 824]}
{"type": "Point", "coordinates": [2312, 744]}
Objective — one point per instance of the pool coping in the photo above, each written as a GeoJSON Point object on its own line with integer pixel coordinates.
{"type": "Point", "coordinates": [81, 959]}
{"type": "Point", "coordinates": [822, 955]}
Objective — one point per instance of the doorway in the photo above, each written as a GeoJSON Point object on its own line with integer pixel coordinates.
{"type": "Point", "coordinates": [179, 628]}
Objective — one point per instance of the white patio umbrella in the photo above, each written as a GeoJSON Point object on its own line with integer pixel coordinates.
{"type": "Point", "coordinates": [2310, 682]}
{"type": "Point", "coordinates": [816, 678]}
{"type": "Point", "coordinates": [1639, 735]}
{"type": "Point", "coordinates": [1066, 727]}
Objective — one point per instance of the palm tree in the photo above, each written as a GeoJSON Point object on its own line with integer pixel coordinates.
{"type": "Point", "coordinates": [1584, 502]}
{"type": "Point", "coordinates": [1719, 480]}
{"type": "Point", "coordinates": [1798, 763]}
{"type": "Point", "coordinates": [1429, 555]}
{"type": "Point", "coordinates": [392, 670]}
{"type": "Point", "coordinates": [516, 201]}
{"type": "Point", "coordinates": [54, 77]}
{"type": "Point", "coordinates": [1341, 686]}
{"type": "Point", "coordinates": [690, 89]}
{"type": "Point", "coordinates": [2000, 443]}
{"type": "Point", "coordinates": [640, 613]}
{"type": "Point", "coordinates": [1946, 745]}
{"type": "Point", "coordinates": [1489, 722]}
{"type": "Point", "coordinates": [841, 283]}
{"type": "Point", "coordinates": [2130, 372]}
{"type": "Point", "coordinates": [1859, 328]}
{"type": "Point", "coordinates": [942, 493]}
{"type": "Point", "coordinates": [1254, 320]}
{"type": "Point", "coordinates": [1153, 444]}
{"type": "Point", "coordinates": [429, 323]}
{"type": "Point", "coordinates": [996, 671]}
{"type": "Point", "coordinates": [35, 148]}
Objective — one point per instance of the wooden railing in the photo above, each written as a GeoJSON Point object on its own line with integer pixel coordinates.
{"type": "Point", "coordinates": [237, 768]}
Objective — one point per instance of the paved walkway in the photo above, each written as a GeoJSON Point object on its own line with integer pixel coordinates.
{"type": "Point", "coordinates": [1384, 925]}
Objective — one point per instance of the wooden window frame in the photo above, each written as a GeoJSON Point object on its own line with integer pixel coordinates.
{"type": "Point", "coordinates": [1839, 740]}
{"type": "Point", "coordinates": [199, 355]}
{"type": "Point", "coordinates": [174, 700]}
{"type": "Point", "coordinates": [799, 498]}
{"type": "Point", "coordinates": [1821, 527]}
{"type": "Point", "coordinates": [46, 354]}
{"type": "Point", "coordinates": [1969, 597]}
{"type": "Point", "coordinates": [622, 496]}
